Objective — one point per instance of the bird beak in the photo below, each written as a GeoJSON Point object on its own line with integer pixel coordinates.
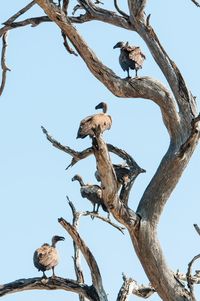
{"type": "Point", "coordinates": [61, 238]}
{"type": "Point", "coordinates": [115, 46]}
{"type": "Point", "coordinates": [98, 106]}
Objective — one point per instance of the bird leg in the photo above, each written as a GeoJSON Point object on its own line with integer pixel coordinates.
{"type": "Point", "coordinates": [97, 208]}
{"type": "Point", "coordinates": [92, 217]}
{"type": "Point", "coordinates": [128, 75]}
{"type": "Point", "coordinates": [44, 275]}
{"type": "Point", "coordinates": [53, 275]}
{"type": "Point", "coordinates": [136, 73]}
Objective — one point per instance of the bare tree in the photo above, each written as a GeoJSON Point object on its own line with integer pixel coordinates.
{"type": "Point", "coordinates": [181, 119]}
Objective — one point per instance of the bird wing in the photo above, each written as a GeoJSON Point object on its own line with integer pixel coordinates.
{"type": "Point", "coordinates": [136, 55]}
{"type": "Point", "coordinates": [46, 256]}
{"type": "Point", "coordinates": [85, 127]}
{"type": "Point", "coordinates": [92, 192]}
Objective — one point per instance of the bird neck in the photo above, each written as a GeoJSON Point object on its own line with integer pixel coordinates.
{"type": "Point", "coordinates": [53, 244]}
{"type": "Point", "coordinates": [81, 182]}
{"type": "Point", "coordinates": [104, 108]}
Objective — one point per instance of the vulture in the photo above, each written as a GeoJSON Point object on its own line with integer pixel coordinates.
{"type": "Point", "coordinates": [94, 124]}
{"type": "Point", "coordinates": [91, 192]}
{"type": "Point", "coordinates": [131, 57]}
{"type": "Point", "coordinates": [122, 173]}
{"type": "Point", "coordinates": [46, 257]}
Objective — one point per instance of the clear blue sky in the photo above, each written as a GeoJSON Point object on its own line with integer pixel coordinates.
{"type": "Point", "coordinates": [49, 87]}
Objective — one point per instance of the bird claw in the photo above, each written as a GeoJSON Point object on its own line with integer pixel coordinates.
{"type": "Point", "coordinates": [44, 280]}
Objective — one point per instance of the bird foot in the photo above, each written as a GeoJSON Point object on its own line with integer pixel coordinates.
{"type": "Point", "coordinates": [44, 280]}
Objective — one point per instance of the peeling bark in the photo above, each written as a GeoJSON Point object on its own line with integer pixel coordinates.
{"type": "Point", "coordinates": [182, 126]}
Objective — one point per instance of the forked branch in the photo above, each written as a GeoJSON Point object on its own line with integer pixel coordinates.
{"type": "Point", "coordinates": [190, 278]}
{"type": "Point", "coordinates": [94, 269]}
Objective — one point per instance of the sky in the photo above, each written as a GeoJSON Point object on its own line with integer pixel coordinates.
{"type": "Point", "coordinates": [51, 88]}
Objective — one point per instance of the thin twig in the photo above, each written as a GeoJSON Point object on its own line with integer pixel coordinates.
{"type": "Point", "coordinates": [3, 61]}
{"type": "Point", "coordinates": [76, 155]}
{"type": "Point", "coordinates": [148, 20]}
{"type": "Point", "coordinates": [197, 228]}
{"type": "Point", "coordinates": [196, 3]}
{"type": "Point", "coordinates": [190, 283]}
{"type": "Point", "coordinates": [119, 10]}
{"type": "Point", "coordinates": [77, 253]}
{"type": "Point", "coordinates": [19, 13]}
{"type": "Point", "coordinates": [78, 214]}
{"type": "Point", "coordinates": [66, 44]}
{"type": "Point", "coordinates": [65, 6]}
{"type": "Point", "coordinates": [30, 21]}
{"type": "Point", "coordinates": [104, 219]}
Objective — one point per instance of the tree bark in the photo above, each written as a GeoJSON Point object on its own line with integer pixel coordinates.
{"type": "Point", "coordinates": [179, 112]}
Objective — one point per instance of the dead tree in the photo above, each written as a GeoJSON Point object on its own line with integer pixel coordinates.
{"type": "Point", "coordinates": [181, 119]}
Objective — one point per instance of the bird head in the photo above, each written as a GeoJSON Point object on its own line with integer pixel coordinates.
{"type": "Point", "coordinates": [76, 178]}
{"type": "Point", "coordinates": [56, 238]}
{"type": "Point", "coordinates": [119, 45]}
{"type": "Point", "coordinates": [102, 105]}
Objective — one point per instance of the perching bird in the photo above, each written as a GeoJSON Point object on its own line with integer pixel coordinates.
{"type": "Point", "coordinates": [90, 125]}
{"type": "Point", "coordinates": [92, 192]}
{"type": "Point", "coordinates": [46, 257]}
{"type": "Point", "coordinates": [131, 57]}
{"type": "Point", "coordinates": [122, 173]}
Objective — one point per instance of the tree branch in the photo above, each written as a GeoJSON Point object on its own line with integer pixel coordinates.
{"type": "Point", "coordinates": [66, 44]}
{"type": "Point", "coordinates": [136, 9]}
{"type": "Point", "coordinates": [189, 277]}
{"type": "Point", "coordinates": [77, 255]}
{"type": "Point", "coordinates": [97, 13]}
{"type": "Point", "coordinates": [121, 211]}
{"type": "Point", "coordinates": [56, 283]}
{"type": "Point", "coordinates": [183, 96]}
{"type": "Point", "coordinates": [130, 286]}
{"type": "Point", "coordinates": [126, 289]}
{"type": "Point", "coordinates": [133, 88]}
{"type": "Point", "coordinates": [19, 13]}
{"type": "Point", "coordinates": [3, 62]}
{"type": "Point", "coordinates": [196, 3]}
{"type": "Point", "coordinates": [65, 5]}
{"type": "Point", "coordinates": [30, 21]}
{"type": "Point", "coordinates": [119, 10]}
{"type": "Point", "coordinates": [104, 219]}
{"type": "Point", "coordinates": [197, 228]}
{"type": "Point", "coordinates": [75, 154]}
{"type": "Point", "coordinates": [133, 171]}
{"type": "Point", "coordinates": [94, 269]}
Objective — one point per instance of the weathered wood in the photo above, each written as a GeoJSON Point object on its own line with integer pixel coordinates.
{"type": "Point", "coordinates": [183, 128]}
{"type": "Point", "coordinates": [56, 283]}
{"type": "Point", "coordinates": [92, 264]}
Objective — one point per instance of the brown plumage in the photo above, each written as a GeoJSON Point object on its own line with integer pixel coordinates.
{"type": "Point", "coordinates": [122, 173]}
{"type": "Point", "coordinates": [92, 192]}
{"type": "Point", "coordinates": [95, 124]}
{"type": "Point", "coordinates": [46, 257]}
{"type": "Point", "coordinates": [131, 57]}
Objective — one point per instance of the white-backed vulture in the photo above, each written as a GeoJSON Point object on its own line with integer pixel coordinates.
{"type": "Point", "coordinates": [95, 124]}
{"type": "Point", "coordinates": [131, 57]}
{"type": "Point", "coordinates": [91, 192]}
{"type": "Point", "coordinates": [46, 257]}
